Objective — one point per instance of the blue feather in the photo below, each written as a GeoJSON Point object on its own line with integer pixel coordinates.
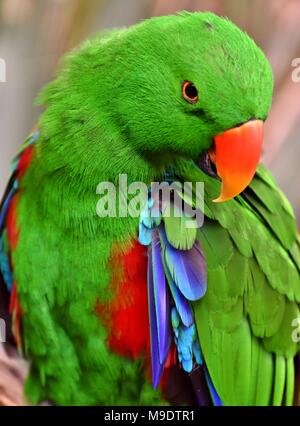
{"type": "Point", "coordinates": [6, 204]}
{"type": "Point", "coordinates": [186, 339]}
{"type": "Point", "coordinates": [197, 351]}
{"type": "Point", "coordinates": [5, 262]}
{"type": "Point", "coordinates": [213, 393]}
{"type": "Point", "coordinates": [150, 215]}
{"type": "Point", "coordinates": [145, 235]}
{"type": "Point", "coordinates": [186, 267]}
{"type": "Point", "coordinates": [182, 305]}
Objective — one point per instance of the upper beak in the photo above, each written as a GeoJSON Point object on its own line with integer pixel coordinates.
{"type": "Point", "coordinates": [236, 154]}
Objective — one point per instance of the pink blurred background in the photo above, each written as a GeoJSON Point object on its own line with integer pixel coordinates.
{"type": "Point", "coordinates": [34, 34]}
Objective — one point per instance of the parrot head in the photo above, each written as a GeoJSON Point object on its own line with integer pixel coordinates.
{"type": "Point", "coordinates": [187, 87]}
{"type": "Point", "coordinates": [199, 88]}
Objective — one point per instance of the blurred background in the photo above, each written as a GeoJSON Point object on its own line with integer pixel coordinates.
{"type": "Point", "coordinates": [35, 33]}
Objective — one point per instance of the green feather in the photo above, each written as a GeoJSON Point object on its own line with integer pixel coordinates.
{"type": "Point", "coordinates": [258, 273]}
{"type": "Point", "coordinates": [295, 254]}
{"type": "Point", "coordinates": [290, 382]}
{"type": "Point", "coordinates": [262, 375]}
{"type": "Point", "coordinates": [216, 243]}
{"type": "Point", "coordinates": [264, 305]}
{"type": "Point", "coordinates": [279, 380]}
{"type": "Point", "coordinates": [181, 231]}
{"type": "Point", "coordinates": [281, 342]}
{"type": "Point", "coordinates": [268, 202]}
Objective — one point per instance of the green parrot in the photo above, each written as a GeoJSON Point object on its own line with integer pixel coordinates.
{"type": "Point", "coordinates": [127, 310]}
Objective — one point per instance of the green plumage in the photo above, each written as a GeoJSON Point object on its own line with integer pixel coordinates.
{"type": "Point", "coordinates": [245, 319]}
{"type": "Point", "coordinates": [116, 108]}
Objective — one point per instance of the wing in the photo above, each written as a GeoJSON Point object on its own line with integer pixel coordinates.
{"type": "Point", "coordinates": [245, 319]}
{"type": "Point", "coordinates": [176, 277]}
{"type": "Point", "coordinates": [9, 307]}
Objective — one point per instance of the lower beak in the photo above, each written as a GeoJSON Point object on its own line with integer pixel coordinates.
{"type": "Point", "coordinates": [236, 154]}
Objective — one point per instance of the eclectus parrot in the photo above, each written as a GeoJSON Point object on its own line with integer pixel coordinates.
{"type": "Point", "coordinates": [145, 310]}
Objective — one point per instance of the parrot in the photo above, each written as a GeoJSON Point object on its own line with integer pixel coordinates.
{"type": "Point", "coordinates": [143, 309]}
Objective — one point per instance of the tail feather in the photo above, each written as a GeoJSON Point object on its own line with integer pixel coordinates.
{"type": "Point", "coordinates": [297, 382]}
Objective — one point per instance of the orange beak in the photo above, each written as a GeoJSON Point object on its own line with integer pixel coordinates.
{"type": "Point", "coordinates": [236, 154]}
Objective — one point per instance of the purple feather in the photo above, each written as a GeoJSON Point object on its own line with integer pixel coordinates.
{"type": "Point", "coordinates": [186, 267]}
{"type": "Point", "coordinates": [157, 368]}
{"type": "Point", "coordinates": [161, 300]}
{"type": "Point", "coordinates": [159, 311]}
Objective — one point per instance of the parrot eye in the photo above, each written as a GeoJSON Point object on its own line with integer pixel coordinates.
{"type": "Point", "coordinates": [189, 92]}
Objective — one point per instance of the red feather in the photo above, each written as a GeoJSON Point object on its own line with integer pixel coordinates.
{"type": "Point", "coordinates": [13, 236]}
{"type": "Point", "coordinates": [24, 162]}
{"type": "Point", "coordinates": [16, 313]}
{"type": "Point", "coordinates": [11, 223]}
{"type": "Point", "coordinates": [126, 316]}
